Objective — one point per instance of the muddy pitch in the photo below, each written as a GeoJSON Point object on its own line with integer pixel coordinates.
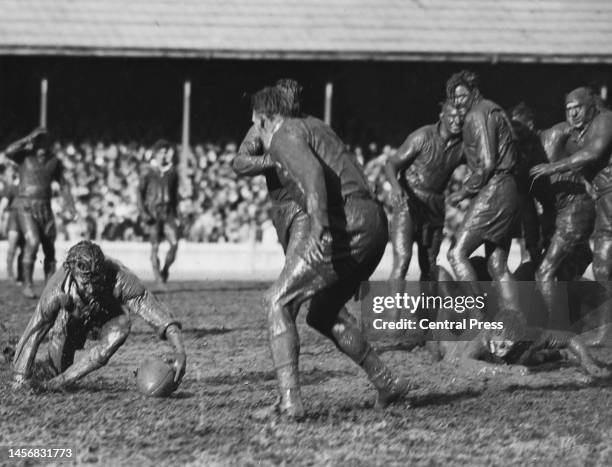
{"type": "Point", "coordinates": [558, 420]}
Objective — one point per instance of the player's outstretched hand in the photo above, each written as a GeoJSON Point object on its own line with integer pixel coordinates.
{"type": "Point", "coordinates": [179, 362]}
{"type": "Point", "coordinates": [58, 383]}
{"type": "Point", "coordinates": [320, 237]}
{"type": "Point", "coordinates": [398, 198]}
{"type": "Point", "coordinates": [519, 370]}
{"type": "Point", "coordinates": [19, 383]}
{"type": "Point", "coordinates": [455, 198]}
{"type": "Point", "coordinates": [540, 170]}
{"type": "Point", "coordinates": [598, 372]}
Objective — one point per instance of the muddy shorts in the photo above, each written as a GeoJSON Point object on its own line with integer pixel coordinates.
{"type": "Point", "coordinates": [35, 215]}
{"type": "Point", "coordinates": [574, 223]}
{"type": "Point", "coordinates": [333, 273]}
{"type": "Point", "coordinates": [493, 211]}
{"type": "Point", "coordinates": [603, 217]}
{"type": "Point", "coordinates": [287, 217]}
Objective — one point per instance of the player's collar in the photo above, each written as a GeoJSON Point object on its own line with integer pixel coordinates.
{"type": "Point", "coordinates": [69, 286]}
{"type": "Point", "coordinates": [277, 126]}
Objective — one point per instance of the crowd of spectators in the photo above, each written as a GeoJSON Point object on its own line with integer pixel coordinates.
{"type": "Point", "coordinates": [215, 206]}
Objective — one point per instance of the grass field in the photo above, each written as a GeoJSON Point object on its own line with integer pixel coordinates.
{"type": "Point", "coordinates": [552, 418]}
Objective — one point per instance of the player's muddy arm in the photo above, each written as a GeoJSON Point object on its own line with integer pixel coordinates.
{"type": "Point", "coordinates": [13, 149]}
{"type": "Point", "coordinates": [37, 328]}
{"type": "Point", "coordinates": [554, 140]}
{"type": "Point", "coordinates": [577, 347]}
{"type": "Point", "coordinates": [294, 154]}
{"type": "Point", "coordinates": [471, 361]}
{"type": "Point", "coordinates": [143, 303]}
{"type": "Point", "coordinates": [599, 146]}
{"type": "Point", "coordinates": [401, 160]}
{"type": "Point", "coordinates": [250, 159]}
{"type": "Point", "coordinates": [576, 161]}
{"type": "Point", "coordinates": [249, 166]}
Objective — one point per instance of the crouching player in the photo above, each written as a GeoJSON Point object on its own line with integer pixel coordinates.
{"type": "Point", "coordinates": [89, 292]}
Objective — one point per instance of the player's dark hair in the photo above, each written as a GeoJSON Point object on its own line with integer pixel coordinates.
{"type": "Point", "coordinates": [585, 92]}
{"type": "Point", "coordinates": [447, 104]}
{"type": "Point", "coordinates": [293, 92]}
{"type": "Point", "coordinates": [522, 112]}
{"type": "Point", "coordinates": [86, 258]}
{"type": "Point", "coordinates": [514, 326]}
{"type": "Point", "coordinates": [271, 101]}
{"type": "Point", "coordinates": [466, 78]}
{"type": "Point", "coordinates": [161, 144]}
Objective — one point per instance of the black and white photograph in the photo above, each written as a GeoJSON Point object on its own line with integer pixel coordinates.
{"type": "Point", "coordinates": [305, 232]}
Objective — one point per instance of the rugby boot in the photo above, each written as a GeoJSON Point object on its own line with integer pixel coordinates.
{"type": "Point", "coordinates": [285, 349]}
{"type": "Point", "coordinates": [390, 388]}
{"type": "Point", "coordinates": [287, 406]}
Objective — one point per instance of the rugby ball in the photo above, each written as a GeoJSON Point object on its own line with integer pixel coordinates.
{"type": "Point", "coordinates": [155, 378]}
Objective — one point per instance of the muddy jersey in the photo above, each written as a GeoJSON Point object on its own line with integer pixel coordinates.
{"type": "Point", "coordinates": [120, 292]}
{"type": "Point", "coordinates": [36, 173]}
{"type": "Point", "coordinates": [598, 133]}
{"type": "Point", "coordinates": [560, 142]}
{"type": "Point", "coordinates": [341, 177]}
{"type": "Point", "coordinates": [433, 160]}
{"type": "Point", "coordinates": [488, 143]}
{"type": "Point", "coordinates": [158, 190]}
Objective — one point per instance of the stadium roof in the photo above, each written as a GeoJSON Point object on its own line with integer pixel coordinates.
{"type": "Point", "coordinates": [471, 30]}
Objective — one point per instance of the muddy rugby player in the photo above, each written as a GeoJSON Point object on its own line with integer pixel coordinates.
{"type": "Point", "coordinates": [89, 293]}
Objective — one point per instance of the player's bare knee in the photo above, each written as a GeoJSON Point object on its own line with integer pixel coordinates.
{"type": "Point", "coordinates": [455, 256]}
{"type": "Point", "coordinates": [496, 270]}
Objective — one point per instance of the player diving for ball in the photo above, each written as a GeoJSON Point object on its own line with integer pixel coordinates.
{"type": "Point", "coordinates": [158, 198]}
{"type": "Point", "coordinates": [90, 292]}
{"type": "Point", "coordinates": [345, 241]}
